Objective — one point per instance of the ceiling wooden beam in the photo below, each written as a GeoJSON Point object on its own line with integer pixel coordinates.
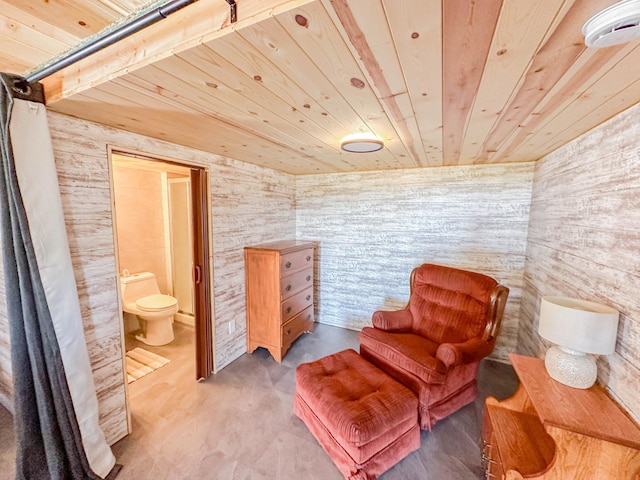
{"type": "Point", "coordinates": [470, 28]}
{"type": "Point", "coordinates": [371, 44]}
{"type": "Point", "coordinates": [191, 26]}
{"type": "Point", "coordinates": [523, 26]}
{"type": "Point", "coordinates": [416, 28]}
{"type": "Point", "coordinates": [550, 64]}
{"type": "Point", "coordinates": [73, 16]}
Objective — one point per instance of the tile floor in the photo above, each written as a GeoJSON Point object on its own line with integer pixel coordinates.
{"type": "Point", "coordinates": [239, 424]}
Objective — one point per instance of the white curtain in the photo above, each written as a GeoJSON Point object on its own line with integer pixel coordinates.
{"type": "Point", "coordinates": [56, 409]}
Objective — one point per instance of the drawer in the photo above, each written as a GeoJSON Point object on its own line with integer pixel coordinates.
{"type": "Point", "coordinates": [295, 282]}
{"type": "Point", "coordinates": [293, 305]}
{"type": "Point", "coordinates": [295, 327]}
{"type": "Point", "coordinates": [515, 441]}
{"type": "Point", "coordinates": [294, 261]}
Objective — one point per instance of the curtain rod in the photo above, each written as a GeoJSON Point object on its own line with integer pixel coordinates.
{"type": "Point", "coordinates": [116, 35]}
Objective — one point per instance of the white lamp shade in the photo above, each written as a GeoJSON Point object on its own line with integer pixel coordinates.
{"type": "Point", "coordinates": [580, 325]}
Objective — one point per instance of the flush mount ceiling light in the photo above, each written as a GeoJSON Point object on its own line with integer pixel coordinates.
{"type": "Point", "coordinates": [361, 143]}
{"type": "Point", "coordinates": [617, 24]}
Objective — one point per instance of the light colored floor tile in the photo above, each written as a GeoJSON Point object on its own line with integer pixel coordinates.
{"type": "Point", "coordinates": [239, 424]}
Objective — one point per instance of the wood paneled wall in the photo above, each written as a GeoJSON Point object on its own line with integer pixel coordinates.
{"type": "Point", "coordinates": [584, 241]}
{"type": "Point", "coordinates": [250, 205]}
{"type": "Point", "coordinates": [374, 228]}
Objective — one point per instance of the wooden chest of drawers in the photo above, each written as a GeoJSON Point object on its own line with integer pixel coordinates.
{"type": "Point", "coordinates": [279, 287]}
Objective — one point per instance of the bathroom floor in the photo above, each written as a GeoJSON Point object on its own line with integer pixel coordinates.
{"type": "Point", "coordinates": [181, 352]}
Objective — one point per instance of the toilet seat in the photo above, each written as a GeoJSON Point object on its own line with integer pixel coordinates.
{"type": "Point", "coordinates": [155, 303]}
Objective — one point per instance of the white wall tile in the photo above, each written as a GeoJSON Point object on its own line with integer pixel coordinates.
{"type": "Point", "coordinates": [373, 228]}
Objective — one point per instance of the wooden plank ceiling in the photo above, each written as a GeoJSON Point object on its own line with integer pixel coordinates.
{"type": "Point", "coordinates": [443, 82]}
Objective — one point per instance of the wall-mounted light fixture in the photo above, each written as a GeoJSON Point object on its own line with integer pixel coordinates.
{"type": "Point", "coordinates": [361, 143]}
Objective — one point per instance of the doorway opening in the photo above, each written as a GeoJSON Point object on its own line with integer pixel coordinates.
{"type": "Point", "coordinates": [162, 238]}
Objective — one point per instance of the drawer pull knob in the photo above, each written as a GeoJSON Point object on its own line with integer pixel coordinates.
{"type": "Point", "coordinates": [288, 331]}
{"type": "Point", "coordinates": [287, 288]}
{"type": "Point", "coordinates": [308, 277]}
{"type": "Point", "coordinates": [308, 257]}
{"type": "Point", "coordinates": [308, 297]}
{"type": "Point", "coordinates": [287, 265]}
{"type": "Point", "coordinates": [288, 309]}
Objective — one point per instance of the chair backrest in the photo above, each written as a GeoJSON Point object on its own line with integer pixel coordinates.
{"type": "Point", "coordinates": [449, 305]}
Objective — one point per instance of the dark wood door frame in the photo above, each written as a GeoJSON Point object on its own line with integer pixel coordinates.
{"type": "Point", "coordinates": [201, 273]}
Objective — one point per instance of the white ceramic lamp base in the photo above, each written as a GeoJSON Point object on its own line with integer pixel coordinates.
{"type": "Point", "coordinates": [571, 367]}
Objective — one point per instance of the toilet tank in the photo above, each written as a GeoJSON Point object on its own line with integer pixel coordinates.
{"type": "Point", "coordinates": [138, 285]}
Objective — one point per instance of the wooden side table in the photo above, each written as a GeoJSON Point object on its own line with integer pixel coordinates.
{"type": "Point", "coordinates": [548, 430]}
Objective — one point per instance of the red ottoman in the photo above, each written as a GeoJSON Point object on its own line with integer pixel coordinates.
{"type": "Point", "coordinates": [365, 420]}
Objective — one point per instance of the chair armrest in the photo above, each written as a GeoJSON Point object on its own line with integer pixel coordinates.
{"type": "Point", "coordinates": [473, 350]}
{"type": "Point", "coordinates": [395, 321]}
{"type": "Point", "coordinates": [497, 302]}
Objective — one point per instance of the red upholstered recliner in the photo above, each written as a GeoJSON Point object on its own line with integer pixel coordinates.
{"type": "Point", "coordinates": [434, 346]}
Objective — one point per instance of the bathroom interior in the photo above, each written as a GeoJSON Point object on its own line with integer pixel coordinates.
{"type": "Point", "coordinates": [153, 221]}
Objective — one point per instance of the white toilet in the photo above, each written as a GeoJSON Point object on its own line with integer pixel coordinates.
{"type": "Point", "coordinates": [141, 297]}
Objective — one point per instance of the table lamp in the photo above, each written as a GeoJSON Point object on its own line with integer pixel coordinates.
{"type": "Point", "coordinates": [578, 328]}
